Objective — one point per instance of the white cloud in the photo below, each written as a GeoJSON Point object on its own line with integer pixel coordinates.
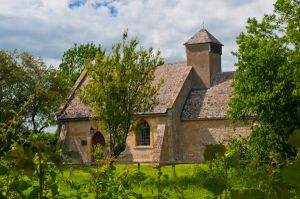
{"type": "Point", "coordinates": [47, 28]}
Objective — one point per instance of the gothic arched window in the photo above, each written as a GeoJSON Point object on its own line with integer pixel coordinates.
{"type": "Point", "coordinates": [143, 134]}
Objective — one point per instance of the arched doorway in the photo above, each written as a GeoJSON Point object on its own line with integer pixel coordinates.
{"type": "Point", "coordinates": [97, 138]}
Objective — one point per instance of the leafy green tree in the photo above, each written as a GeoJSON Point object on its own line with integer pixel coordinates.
{"type": "Point", "coordinates": [27, 82]}
{"type": "Point", "coordinates": [28, 166]}
{"type": "Point", "coordinates": [120, 86]}
{"type": "Point", "coordinates": [10, 76]}
{"type": "Point", "coordinates": [75, 58]}
{"type": "Point", "coordinates": [9, 133]}
{"type": "Point", "coordinates": [267, 81]}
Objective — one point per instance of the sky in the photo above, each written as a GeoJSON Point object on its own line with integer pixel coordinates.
{"type": "Point", "coordinates": [47, 28]}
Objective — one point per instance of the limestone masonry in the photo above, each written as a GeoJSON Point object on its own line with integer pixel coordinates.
{"type": "Point", "coordinates": [193, 101]}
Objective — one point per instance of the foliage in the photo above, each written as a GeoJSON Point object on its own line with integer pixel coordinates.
{"type": "Point", "coordinates": [107, 183]}
{"type": "Point", "coordinates": [27, 82]}
{"type": "Point", "coordinates": [29, 168]}
{"type": "Point", "coordinates": [10, 76]}
{"type": "Point", "coordinates": [120, 86]}
{"type": "Point", "coordinates": [217, 181]}
{"type": "Point", "coordinates": [212, 151]}
{"type": "Point", "coordinates": [267, 81]}
{"type": "Point", "coordinates": [253, 178]}
{"type": "Point", "coordinates": [187, 183]}
{"type": "Point", "coordinates": [247, 194]}
{"type": "Point", "coordinates": [75, 59]}
{"type": "Point", "coordinates": [9, 134]}
{"type": "Point", "coordinates": [294, 139]}
{"type": "Point", "coordinates": [239, 145]}
{"type": "Point", "coordinates": [161, 192]}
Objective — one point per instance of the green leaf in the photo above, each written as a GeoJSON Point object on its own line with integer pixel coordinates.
{"type": "Point", "coordinates": [54, 189]}
{"type": "Point", "coordinates": [290, 174]}
{"type": "Point", "coordinates": [216, 185]}
{"type": "Point", "coordinates": [233, 160]}
{"type": "Point", "coordinates": [213, 151]}
{"type": "Point", "coordinates": [294, 138]}
{"type": "Point", "coordinates": [3, 169]}
{"type": "Point", "coordinates": [2, 196]}
{"type": "Point", "coordinates": [57, 160]}
{"type": "Point", "coordinates": [247, 194]}
{"type": "Point", "coordinates": [34, 192]}
{"type": "Point", "coordinates": [284, 192]}
{"type": "Point", "coordinates": [19, 185]}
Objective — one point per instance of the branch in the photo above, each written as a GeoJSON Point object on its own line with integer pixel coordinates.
{"type": "Point", "coordinates": [40, 130]}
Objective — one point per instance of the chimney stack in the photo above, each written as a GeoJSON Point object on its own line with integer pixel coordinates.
{"type": "Point", "coordinates": [203, 52]}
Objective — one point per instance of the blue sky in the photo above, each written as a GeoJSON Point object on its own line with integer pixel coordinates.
{"type": "Point", "coordinates": [74, 4]}
{"type": "Point", "coordinates": [47, 28]}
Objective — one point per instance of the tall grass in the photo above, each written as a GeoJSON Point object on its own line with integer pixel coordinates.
{"type": "Point", "coordinates": [187, 183]}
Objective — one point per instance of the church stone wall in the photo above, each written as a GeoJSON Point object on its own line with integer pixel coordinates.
{"type": "Point", "coordinates": [76, 132]}
{"type": "Point", "coordinates": [187, 146]}
{"type": "Point", "coordinates": [171, 152]}
{"type": "Point", "coordinates": [194, 135]}
{"type": "Point", "coordinates": [146, 154]}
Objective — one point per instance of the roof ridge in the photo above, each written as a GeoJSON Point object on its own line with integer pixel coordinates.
{"type": "Point", "coordinates": [175, 62]}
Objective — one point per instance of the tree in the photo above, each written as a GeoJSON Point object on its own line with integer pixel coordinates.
{"type": "Point", "coordinates": [27, 82]}
{"type": "Point", "coordinates": [267, 81]}
{"type": "Point", "coordinates": [121, 86]}
{"type": "Point", "coordinates": [10, 76]}
{"type": "Point", "coordinates": [75, 58]}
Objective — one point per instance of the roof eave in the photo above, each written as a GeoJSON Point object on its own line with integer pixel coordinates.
{"type": "Point", "coordinates": [203, 118]}
{"type": "Point", "coordinates": [187, 43]}
{"type": "Point", "coordinates": [74, 119]}
{"type": "Point", "coordinates": [91, 117]}
{"type": "Point", "coordinates": [150, 114]}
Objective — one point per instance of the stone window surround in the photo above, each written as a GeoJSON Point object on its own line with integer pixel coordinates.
{"type": "Point", "coordinates": [150, 146]}
{"type": "Point", "coordinates": [144, 138]}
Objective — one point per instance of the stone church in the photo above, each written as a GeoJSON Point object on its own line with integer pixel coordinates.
{"type": "Point", "coordinates": [191, 113]}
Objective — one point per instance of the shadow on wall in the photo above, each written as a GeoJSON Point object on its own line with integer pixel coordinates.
{"type": "Point", "coordinates": [126, 156]}
{"type": "Point", "coordinates": [193, 144]}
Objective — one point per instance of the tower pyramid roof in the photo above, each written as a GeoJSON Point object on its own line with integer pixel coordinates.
{"type": "Point", "coordinates": [202, 36]}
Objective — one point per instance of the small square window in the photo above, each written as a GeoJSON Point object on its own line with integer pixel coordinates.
{"type": "Point", "coordinates": [83, 142]}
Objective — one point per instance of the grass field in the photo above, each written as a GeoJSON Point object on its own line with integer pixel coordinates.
{"type": "Point", "coordinates": [187, 182]}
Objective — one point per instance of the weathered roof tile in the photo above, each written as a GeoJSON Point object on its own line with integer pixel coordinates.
{"type": "Point", "coordinates": [209, 103]}
{"type": "Point", "coordinates": [173, 76]}
{"type": "Point", "coordinates": [202, 36]}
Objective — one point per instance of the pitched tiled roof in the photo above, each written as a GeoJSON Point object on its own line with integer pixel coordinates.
{"type": "Point", "coordinates": [173, 76]}
{"type": "Point", "coordinates": [76, 110]}
{"type": "Point", "coordinates": [73, 107]}
{"type": "Point", "coordinates": [209, 103]}
{"type": "Point", "coordinates": [203, 36]}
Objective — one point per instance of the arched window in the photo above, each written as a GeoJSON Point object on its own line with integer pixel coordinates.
{"type": "Point", "coordinates": [143, 134]}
